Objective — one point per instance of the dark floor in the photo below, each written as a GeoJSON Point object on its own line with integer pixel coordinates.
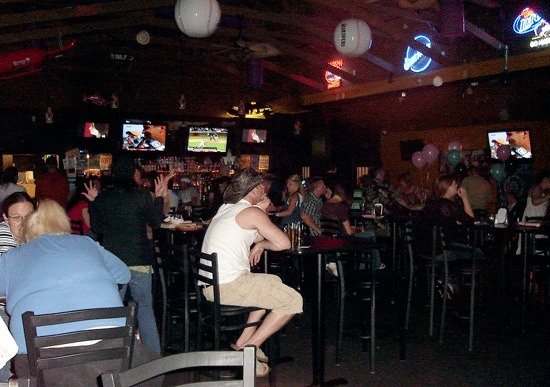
{"type": "Point", "coordinates": [513, 359]}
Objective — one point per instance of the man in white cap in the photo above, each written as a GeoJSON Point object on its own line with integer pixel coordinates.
{"type": "Point", "coordinates": [241, 222]}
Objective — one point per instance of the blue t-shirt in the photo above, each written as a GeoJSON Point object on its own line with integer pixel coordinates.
{"type": "Point", "coordinates": [58, 273]}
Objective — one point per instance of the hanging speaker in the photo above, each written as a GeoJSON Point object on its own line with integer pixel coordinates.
{"type": "Point", "coordinates": [451, 21]}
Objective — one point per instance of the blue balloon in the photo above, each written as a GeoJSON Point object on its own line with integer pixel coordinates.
{"type": "Point", "coordinates": [454, 157]}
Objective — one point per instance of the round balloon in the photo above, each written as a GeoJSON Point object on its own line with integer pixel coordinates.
{"type": "Point", "coordinates": [454, 145]}
{"type": "Point", "coordinates": [431, 153]}
{"type": "Point", "coordinates": [352, 37]}
{"type": "Point", "coordinates": [197, 18]}
{"type": "Point", "coordinates": [454, 157]}
{"type": "Point", "coordinates": [503, 152]}
{"type": "Point", "coordinates": [418, 159]}
{"type": "Point", "coordinates": [498, 172]}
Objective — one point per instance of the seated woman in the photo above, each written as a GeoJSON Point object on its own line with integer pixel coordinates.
{"type": "Point", "coordinates": [409, 196]}
{"type": "Point", "coordinates": [16, 207]}
{"type": "Point", "coordinates": [55, 271]}
{"type": "Point", "coordinates": [445, 211]}
{"type": "Point", "coordinates": [337, 208]}
{"type": "Point", "coordinates": [77, 206]}
{"type": "Point", "coordinates": [291, 211]}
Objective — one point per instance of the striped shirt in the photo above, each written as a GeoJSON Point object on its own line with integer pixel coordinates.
{"type": "Point", "coordinates": [7, 241]}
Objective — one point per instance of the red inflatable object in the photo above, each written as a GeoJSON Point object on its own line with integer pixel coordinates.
{"type": "Point", "coordinates": [28, 61]}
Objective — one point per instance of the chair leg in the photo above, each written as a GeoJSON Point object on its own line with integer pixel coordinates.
{"type": "Point", "coordinates": [432, 298]}
{"type": "Point", "coordinates": [472, 304]}
{"type": "Point", "coordinates": [341, 309]}
{"type": "Point", "coordinates": [444, 302]}
{"type": "Point", "coordinates": [373, 318]}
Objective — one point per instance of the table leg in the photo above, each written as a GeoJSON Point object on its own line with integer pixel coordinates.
{"type": "Point", "coordinates": [318, 328]}
{"type": "Point", "coordinates": [524, 247]}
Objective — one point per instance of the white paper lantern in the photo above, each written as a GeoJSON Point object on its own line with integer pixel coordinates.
{"type": "Point", "coordinates": [197, 18]}
{"type": "Point", "coordinates": [352, 37]}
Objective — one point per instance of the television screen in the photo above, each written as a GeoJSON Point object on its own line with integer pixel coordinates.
{"type": "Point", "coordinates": [92, 129]}
{"type": "Point", "coordinates": [254, 135]}
{"type": "Point", "coordinates": [207, 139]}
{"type": "Point", "coordinates": [518, 140]}
{"type": "Point", "coordinates": [143, 137]}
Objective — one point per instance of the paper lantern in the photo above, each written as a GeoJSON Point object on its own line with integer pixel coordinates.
{"type": "Point", "coordinates": [352, 37]}
{"type": "Point", "coordinates": [197, 18]}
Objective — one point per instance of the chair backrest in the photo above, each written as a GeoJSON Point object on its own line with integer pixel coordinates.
{"type": "Point", "coordinates": [331, 227]}
{"type": "Point", "coordinates": [204, 268]}
{"type": "Point", "coordinates": [113, 344]}
{"type": "Point", "coordinates": [77, 227]}
{"type": "Point", "coordinates": [246, 359]}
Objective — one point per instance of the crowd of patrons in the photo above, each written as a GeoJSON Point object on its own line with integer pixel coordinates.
{"type": "Point", "coordinates": [38, 251]}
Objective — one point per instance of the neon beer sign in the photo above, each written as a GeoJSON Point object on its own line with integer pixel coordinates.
{"type": "Point", "coordinates": [334, 81]}
{"type": "Point", "coordinates": [527, 21]}
{"type": "Point", "coordinates": [415, 60]}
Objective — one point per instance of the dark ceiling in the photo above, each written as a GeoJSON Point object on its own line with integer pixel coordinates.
{"type": "Point", "coordinates": [213, 72]}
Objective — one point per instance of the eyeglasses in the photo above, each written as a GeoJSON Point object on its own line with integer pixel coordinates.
{"type": "Point", "coordinates": [18, 218]}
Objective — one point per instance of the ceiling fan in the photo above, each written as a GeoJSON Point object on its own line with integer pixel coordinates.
{"type": "Point", "coordinates": [244, 48]}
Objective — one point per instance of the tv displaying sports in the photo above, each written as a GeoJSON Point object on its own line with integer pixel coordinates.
{"type": "Point", "coordinates": [519, 142]}
{"type": "Point", "coordinates": [207, 139]}
{"type": "Point", "coordinates": [92, 129]}
{"type": "Point", "coordinates": [143, 136]}
{"type": "Point", "coordinates": [254, 135]}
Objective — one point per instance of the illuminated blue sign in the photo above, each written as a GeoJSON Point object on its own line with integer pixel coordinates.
{"type": "Point", "coordinates": [415, 60]}
{"type": "Point", "coordinates": [528, 20]}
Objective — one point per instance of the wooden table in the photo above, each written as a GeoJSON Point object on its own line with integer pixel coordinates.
{"type": "Point", "coordinates": [319, 246]}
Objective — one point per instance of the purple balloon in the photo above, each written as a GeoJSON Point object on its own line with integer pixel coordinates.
{"type": "Point", "coordinates": [431, 153]}
{"type": "Point", "coordinates": [418, 159]}
{"type": "Point", "coordinates": [454, 145]}
{"type": "Point", "coordinates": [503, 152]}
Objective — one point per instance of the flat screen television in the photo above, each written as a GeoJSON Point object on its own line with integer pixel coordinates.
{"type": "Point", "coordinates": [254, 135]}
{"type": "Point", "coordinates": [143, 136]}
{"type": "Point", "coordinates": [207, 139]}
{"type": "Point", "coordinates": [519, 142]}
{"type": "Point", "coordinates": [92, 129]}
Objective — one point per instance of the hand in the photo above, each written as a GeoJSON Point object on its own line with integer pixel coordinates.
{"type": "Point", "coordinates": [264, 204]}
{"type": "Point", "coordinates": [255, 254]}
{"type": "Point", "coordinates": [161, 184]}
{"type": "Point", "coordinates": [91, 191]}
{"type": "Point", "coordinates": [462, 193]}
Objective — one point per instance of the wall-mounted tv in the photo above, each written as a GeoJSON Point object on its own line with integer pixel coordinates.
{"type": "Point", "coordinates": [92, 129]}
{"type": "Point", "coordinates": [143, 136]}
{"type": "Point", "coordinates": [254, 135]}
{"type": "Point", "coordinates": [518, 140]}
{"type": "Point", "coordinates": [207, 139]}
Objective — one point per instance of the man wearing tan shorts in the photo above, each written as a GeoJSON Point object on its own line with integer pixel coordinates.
{"type": "Point", "coordinates": [241, 222]}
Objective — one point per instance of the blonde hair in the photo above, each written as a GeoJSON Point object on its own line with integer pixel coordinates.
{"type": "Point", "coordinates": [49, 218]}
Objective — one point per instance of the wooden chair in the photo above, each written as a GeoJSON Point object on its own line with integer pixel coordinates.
{"type": "Point", "coordinates": [245, 359]}
{"type": "Point", "coordinates": [215, 316]}
{"type": "Point", "coordinates": [77, 363]}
